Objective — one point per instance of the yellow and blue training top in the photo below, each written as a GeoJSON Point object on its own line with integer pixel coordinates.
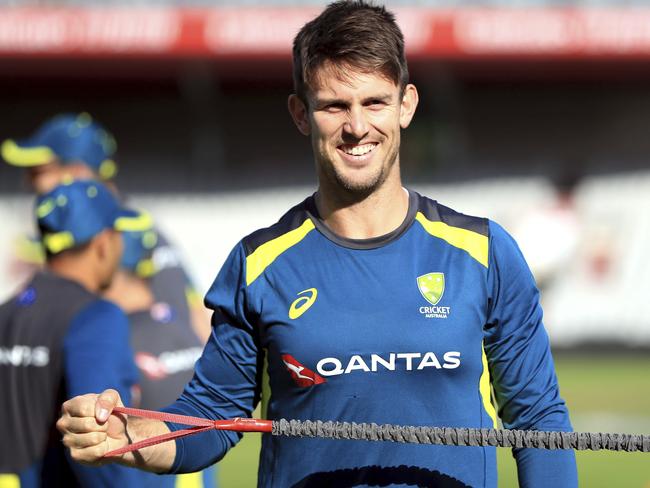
{"type": "Point", "coordinates": [412, 328]}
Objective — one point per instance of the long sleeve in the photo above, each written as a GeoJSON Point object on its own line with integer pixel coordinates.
{"type": "Point", "coordinates": [521, 365]}
{"type": "Point", "coordinates": [225, 382]}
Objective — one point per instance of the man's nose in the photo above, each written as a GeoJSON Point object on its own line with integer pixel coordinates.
{"type": "Point", "coordinates": [357, 124]}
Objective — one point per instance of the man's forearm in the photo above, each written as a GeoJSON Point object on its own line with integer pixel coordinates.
{"type": "Point", "coordinates": [541, 468]}
{"type": "Point", "coordinates": [158, 458]}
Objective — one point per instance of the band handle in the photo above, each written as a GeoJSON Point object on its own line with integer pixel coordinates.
{"type": "Point", "coordinates": [198, 425]}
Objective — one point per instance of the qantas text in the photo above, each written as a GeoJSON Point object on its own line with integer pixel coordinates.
{"type": "Point", "coordinates": [408, 361]}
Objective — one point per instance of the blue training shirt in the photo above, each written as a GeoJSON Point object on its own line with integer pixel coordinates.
{"type": "Point", "coordinates": [412, 328]}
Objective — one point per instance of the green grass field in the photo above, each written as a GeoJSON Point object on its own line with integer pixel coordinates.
{"type": "Point", "coordinates": [605, 393]}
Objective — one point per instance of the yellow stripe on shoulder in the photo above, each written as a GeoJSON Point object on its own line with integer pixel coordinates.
{"type": "Point", "coordinates": [264, 255]}
{"type": "Point", "coordinates": [475, 244]}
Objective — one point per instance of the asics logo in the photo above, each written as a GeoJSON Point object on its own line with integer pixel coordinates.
{"type": "Point", "coordinates": [302, 304]}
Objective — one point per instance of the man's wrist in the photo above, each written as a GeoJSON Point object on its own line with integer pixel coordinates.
{"type": "Point", "coordinates": [158, 458]}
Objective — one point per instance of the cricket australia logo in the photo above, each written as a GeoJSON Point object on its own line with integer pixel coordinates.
{"type": "Point", "coordinates": [432, 288]}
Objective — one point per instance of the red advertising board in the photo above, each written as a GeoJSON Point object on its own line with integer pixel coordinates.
{"type": "Point", "coordinates": [472, 33]}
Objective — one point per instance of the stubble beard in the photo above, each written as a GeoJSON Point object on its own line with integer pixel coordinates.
{"type": "Point", "coordinates": [358, 190]}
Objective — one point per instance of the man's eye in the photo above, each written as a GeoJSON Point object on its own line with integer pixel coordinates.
{"type": "Point", "coordinates": [375, 103]}
{"type": "Point", "coordinates": [334, 107]}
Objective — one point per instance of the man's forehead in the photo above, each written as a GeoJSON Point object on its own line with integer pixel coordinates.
{"type": "Point", "coordinates": [52, 164]}
{"type": "Point", "coordinates": [337, 81]}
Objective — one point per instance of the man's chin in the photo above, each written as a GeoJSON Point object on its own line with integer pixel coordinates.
{"type": "Point", "coordinates": [359, 188]}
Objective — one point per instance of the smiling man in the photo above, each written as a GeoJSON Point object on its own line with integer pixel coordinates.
{"type": "Point", "coordinates": [367, 302]}
{"type": "Point", "coordinates": [354, 118]}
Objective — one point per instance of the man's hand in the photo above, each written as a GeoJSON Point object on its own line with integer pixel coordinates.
{"type": "Point", "coordinates": [90, 429]}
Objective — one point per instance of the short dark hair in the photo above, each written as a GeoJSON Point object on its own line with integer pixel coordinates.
{"type": "Point", "coordinates": [354, 34]}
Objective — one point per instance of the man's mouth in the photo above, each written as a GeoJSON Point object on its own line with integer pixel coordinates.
{"type": "Point", "coordinates": [358, 149]}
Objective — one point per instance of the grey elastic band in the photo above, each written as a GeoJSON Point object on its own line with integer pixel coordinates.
{"type": "Point", "coordinates": [448, 436]}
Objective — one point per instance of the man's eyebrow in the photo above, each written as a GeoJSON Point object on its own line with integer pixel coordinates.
{"type": "Point", "coordinates": [322, 101]}
{"type": "Point", "coordinates": [383, 97]}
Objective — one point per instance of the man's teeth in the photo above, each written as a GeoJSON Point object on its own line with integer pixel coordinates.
{"type": "Point", "coordinates": [359, 150]}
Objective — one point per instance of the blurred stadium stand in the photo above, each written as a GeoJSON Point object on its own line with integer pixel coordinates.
{"type": "Point", "coordinates": [195, 93]}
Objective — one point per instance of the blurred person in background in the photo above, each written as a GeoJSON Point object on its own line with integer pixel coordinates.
{"type": "Point", "coordinates": [75, 145]}
{"type": "Point", "coordinates": [161, 337]}
{"type": "Point", "coordinates": [59, 338]}
{"type": "Point", "coordinates": [549, 234]}
{"type": "Point", "coordinates": [366, 302]}
{"type": "Point", "coordinates": [64, 145]}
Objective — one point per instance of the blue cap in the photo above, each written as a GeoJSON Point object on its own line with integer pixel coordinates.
{"type": "Point", "coordinates": [69, 138]}
{"type": "Point", "coordinates": [138, 252]}
{"type": "Point", "coordinates": [76, 211]}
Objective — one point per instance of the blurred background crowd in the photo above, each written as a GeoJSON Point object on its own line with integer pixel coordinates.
{"type": "Point", "coordinates": [534, 113]}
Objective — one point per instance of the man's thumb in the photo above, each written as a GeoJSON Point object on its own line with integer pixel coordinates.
{"type": "Point", "coordinates": [105, 404]}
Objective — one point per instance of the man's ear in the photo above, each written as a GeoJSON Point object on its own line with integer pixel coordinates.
{"type": "Point", "coordinates": [100, 244]}
{"type": "Point", "coordinates": [409, 104]}
{"type": "Point", "coordinates": [299, 114]}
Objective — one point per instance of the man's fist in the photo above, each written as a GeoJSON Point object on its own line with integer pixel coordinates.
{"type": "Point", "coordinates": [90, 429]}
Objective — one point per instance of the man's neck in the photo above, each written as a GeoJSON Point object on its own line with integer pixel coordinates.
{"type": "Point", "coordinates": [74, 271]}
{"type": "Point", "coordinates": [376, 215]}
{"type": "Point", "coordinates": [131, 293]}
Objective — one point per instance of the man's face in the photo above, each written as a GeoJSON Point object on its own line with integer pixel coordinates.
{"type": "Point", "coordinates": [46, 177]}
{"type": "Point", "coordinates": [354, 124]}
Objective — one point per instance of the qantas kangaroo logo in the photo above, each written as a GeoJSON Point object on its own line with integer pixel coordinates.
{"type": "Point", "coordinates": [301, 375]}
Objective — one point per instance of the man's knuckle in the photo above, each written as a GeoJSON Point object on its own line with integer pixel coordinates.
{"type": "Point", "coordinates": [89, 424]}
{"type": "Point", "coordinates": [76, 454]}
{"type": "Point", "coordinates": [98, 437]}
{"type": "Point", "coordinates": [97, 451]}
{"type": "Point", "coordinates": [109, 395]}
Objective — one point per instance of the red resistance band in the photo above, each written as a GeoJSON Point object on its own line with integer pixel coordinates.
{"type": "Point", "coordinates": [199, 425]}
